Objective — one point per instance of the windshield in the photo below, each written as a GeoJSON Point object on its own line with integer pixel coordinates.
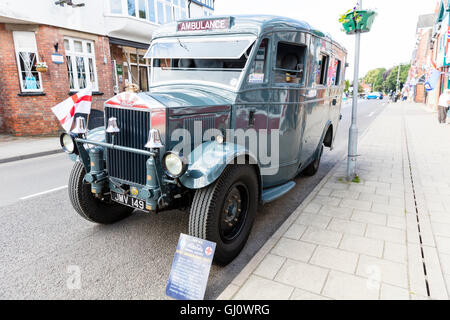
{"type": "Point", "coordinates": [220, 59]}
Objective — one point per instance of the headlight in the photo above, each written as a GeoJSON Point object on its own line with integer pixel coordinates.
{"type": "Point", "coordinates": [67, 143]}
{"type": "Point", "coordinates": [174, 165]}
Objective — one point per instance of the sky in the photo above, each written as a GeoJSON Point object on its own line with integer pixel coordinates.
{"type": "Point", "coordinates": [390, 42]}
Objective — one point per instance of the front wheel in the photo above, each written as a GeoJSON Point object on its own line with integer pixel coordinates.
{"type": "Point", "coordinates": [224, 212]}
{"type": "Point", "coordinates": [89, 207]}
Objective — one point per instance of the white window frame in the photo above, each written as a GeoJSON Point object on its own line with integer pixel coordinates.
{"type": "Point", "coordinates": [147, 64]}
{"type": "Point", "coordinates": [32, 49]}
{"type": "Point", "coordinates": [173, 9]}
{"type": "Point", "coordinates": [116, 14]}
{"type": "Point", "coordinates": [86, 55]}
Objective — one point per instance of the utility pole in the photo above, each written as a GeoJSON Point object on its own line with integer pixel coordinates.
{"type": "Point", "coordinates": [398, 78]}
{"type": "Point", "coordinates": [353, 132]}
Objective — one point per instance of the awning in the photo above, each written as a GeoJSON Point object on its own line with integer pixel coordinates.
{"type": "Point", "coordinates": [128, 43]}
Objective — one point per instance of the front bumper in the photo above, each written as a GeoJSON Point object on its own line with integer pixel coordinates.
{"type": "Point", "coordinates": [97, 175]}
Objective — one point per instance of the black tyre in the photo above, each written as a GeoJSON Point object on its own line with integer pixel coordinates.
{"type": "Point", "coordinates": [313, 167]}
{"type": "Point", "coordinates": [224, 212]}
{"type": "Point", "coordinates": [89, 207]}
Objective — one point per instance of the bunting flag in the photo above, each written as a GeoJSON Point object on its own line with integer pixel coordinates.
{"type": "Point", "coordinates": [78, 103]}
{"type": "Point", "coordinates": [433, 79]}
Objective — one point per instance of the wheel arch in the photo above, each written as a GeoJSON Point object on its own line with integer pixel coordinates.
{"type": "Point", "coordinates": [208, 161]}
{"type": "Point", "coordinates": [328, 135]}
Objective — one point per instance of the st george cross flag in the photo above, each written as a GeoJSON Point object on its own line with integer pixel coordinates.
{"type": "Point", "coordinates": [78, 103]}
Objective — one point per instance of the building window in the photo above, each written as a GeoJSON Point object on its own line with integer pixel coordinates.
{"type": "Point", "coordinates": [168, 13]}
{"type": "Point", "coordinates": [206, 3]}
{"type": "Point", "coordinates": [115, 6]}
{"type": "Point", "coordinates": [157, 11]}
{"type": "Point", "coordinates": [131, 69]}
{"type": "Point", "coordinates": [160, 12]}
{"type": "Point", "coordinates": [27, 57]}
{"type": "Point", "coordinates": [80, 60]}
{"type": "Point", "coordinates": [132, 8]}
{"type": "Point", "coordinates": [151, 10]}
{"type": "Point", "coordinates": [142, 9]}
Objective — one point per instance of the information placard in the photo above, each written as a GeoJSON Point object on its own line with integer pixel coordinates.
{"type": "Point", "coordinates": [57, 58]}
{"type": "Point", "coordinates": [190, 268]}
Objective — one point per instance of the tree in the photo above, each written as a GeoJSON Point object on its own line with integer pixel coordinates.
{"type": "Point", "coordinates": [390, 83]}
{"type": "Point", "coordinates": [375, 78]}
{"type": "Point", "coordinates": [347, 86]}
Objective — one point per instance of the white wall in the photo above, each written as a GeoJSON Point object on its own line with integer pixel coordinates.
{"type": "Point", "coordinates": [87, 19]}
{"type": "Point", "coordinates": [93, 18]}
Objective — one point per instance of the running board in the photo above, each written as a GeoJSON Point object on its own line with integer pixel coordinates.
{"type": "Point", "coordinates": [272, 194]}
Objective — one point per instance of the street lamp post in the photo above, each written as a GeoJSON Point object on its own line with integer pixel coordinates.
{"type": "Point", "coordinates": [353, 132]}
{"type": "Point", "coordinates": [398, 78]}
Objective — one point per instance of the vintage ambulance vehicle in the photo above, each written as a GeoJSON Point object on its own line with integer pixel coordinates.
{"type": "Point", "coordinates": [175, 147]}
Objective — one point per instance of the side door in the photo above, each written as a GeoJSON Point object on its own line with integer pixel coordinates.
{"type": "Point", "coordinates": [286, 113]}
{"type": "Point", "coordinates": [316, 106]}
{"type": "Point", "coordinates": [251, 107]}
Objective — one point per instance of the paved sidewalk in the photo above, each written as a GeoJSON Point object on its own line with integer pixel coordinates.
{"type": "Point", "coordinates": [387, 237]}
{"type": "Point", "coordinates": [18, 148]}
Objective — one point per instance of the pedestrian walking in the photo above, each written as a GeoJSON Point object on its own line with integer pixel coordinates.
{"type": "Point", "coordinates": [444, 101]}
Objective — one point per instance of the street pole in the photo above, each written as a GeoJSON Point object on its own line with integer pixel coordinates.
{"type": "Point", "coordinates": [353, 132]}
{"type": "Point", "coordinates": [398, 78]}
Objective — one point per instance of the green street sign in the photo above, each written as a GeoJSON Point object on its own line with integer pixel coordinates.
{"type": "Point", "coordinates": [119, 69]}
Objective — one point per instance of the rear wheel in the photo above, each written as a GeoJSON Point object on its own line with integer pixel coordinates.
{"type": "Point", "coordinates": [224, 212]}
{"type": "Point", "coordinates": [313, 167]}
{"type": "Point", "coordinates": [89, 207]}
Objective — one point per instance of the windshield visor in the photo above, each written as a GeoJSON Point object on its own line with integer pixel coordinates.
{"type": "Point", "coordinates": [206, 60]}
{"type": "Point", "coordinates": [219, 47]}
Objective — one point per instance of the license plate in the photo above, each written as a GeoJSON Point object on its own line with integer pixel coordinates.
{"type": "Point", "coordinates": [128, 200]}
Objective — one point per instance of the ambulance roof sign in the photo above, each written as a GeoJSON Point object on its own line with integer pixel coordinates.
{"type": "Point", "coordinates": [204, 25]}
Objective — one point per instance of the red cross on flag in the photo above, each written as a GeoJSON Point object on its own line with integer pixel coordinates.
{"type": "Point", "coordinates": [78, 103]}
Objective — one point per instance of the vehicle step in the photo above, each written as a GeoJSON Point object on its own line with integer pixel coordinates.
{"type": "Point", "coordinates": [272, 194]}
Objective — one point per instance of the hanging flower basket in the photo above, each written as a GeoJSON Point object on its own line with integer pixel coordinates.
{"type": "Point", "coordinates": [357, 20]}
{"type": "Point", "coordinates": [41, 67]}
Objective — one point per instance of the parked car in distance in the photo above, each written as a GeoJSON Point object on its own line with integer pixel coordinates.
{"type": "Point", "coordinates": [375, 96]}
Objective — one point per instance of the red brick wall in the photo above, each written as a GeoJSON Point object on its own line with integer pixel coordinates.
{"type": "Point", "coordinates": [31, 115]}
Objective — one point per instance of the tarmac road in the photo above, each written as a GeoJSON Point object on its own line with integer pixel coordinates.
{"type": "Point", "coordinates": [45, 245]}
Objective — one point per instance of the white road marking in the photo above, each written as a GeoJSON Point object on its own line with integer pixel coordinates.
{"type": "Point", "coordinates": [43, 192]}
{"type": "Point", "coordinates": [371, 114]}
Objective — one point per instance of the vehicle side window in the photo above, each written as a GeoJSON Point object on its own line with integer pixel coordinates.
{"type": "Point", "coordinates": [322, 75]}
{"type": "Point", "coordinates": [290, 63]}
{"type": "Point", "coordinates": [258, 69]}
{"type": "Point", "coordinates": [338, 65]}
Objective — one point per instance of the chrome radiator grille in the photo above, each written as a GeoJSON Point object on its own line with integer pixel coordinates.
{"type": "Point", "coordinates": [134, 127]}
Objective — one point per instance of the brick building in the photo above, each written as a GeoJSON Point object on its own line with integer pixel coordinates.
{"type": "Point", "coordinates": [420, 63]}
{"type": "Point", "coordinates": [101, 43]}
{"type": "Point", "coordinates": [432, 52]}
